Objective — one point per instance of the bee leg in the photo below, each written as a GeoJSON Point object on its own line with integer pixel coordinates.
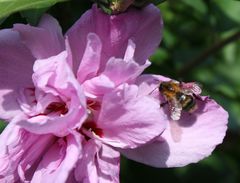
{"type": "Point", "coordinates": [180, 83]}
{"type": "Point", "coordinates": [196, 97]}
{"type": "Point", "coordinates": [163, 104]}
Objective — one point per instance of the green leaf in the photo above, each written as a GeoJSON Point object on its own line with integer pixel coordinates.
{"type": "Point", "coordinates": [230, 8]}
{"type": "Point", "coordinates": [2, 20]}
{"type": "Point", "coordinates": [8, 7]}
{"type": "Point", "coordinates": [197, 5]}
{"type": "Point", "coordinates": [156, 2]}
{"type": "Point", "coordinates": [2, 126]}
{"type": "Point", "coordinates": [106, 9]}
{"type": "Point", "coordinates": [33, 16]}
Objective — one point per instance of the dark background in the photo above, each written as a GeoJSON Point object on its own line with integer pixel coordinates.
{"type": "Point", "coordinates": [200, 43]}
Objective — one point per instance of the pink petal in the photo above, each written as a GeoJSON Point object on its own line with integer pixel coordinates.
{"type": "Point", "coordinates": [98, 86]}
{"type": "Point", "coordinates": [10, 152]}
{"type": "Point", "coordinates": [108, 165]}
{"type": "Point", "coordinates": [120, 71]}
{"type": "Point", "coordinates": [129, 120]}
{"type": "Point", "coordinates": [99, 163]}
{"type": "Point", "coordinates": [16, 64]}
{"type": "Point", "coordinates": [32, 157]}
{"type": "Point", "coordinates": [59, 161]}
{"type": "Point", "coordinates": [116, 72]}
{"type": "Point", "coordinates": [86, 170]}
{"type": "Point", "coordinates": [53, 76]}
{"type": "Point", "coordinates": [149, 85]}
{"type": "Point", "coordinates": [49, 40]}
{"type": "Point", "coordinates": [116, 33]}
{"type": "Point", "coordinates": [188, 140]}
{"type": "Point", "coordinates": [16, 147]}
{"type": "Point", "coordinates": [91, 58]}
{"type": "Point", "coordinates": [69, 55]}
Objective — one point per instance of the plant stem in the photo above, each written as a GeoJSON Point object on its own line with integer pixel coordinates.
{"type": "Point", "coordinates": [207, 53]}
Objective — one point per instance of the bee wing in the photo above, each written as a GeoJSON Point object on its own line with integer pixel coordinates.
{"type": "Point", "coordinates": [176, 131]}
{"type": "Point", "coordinates": [175, 109]}
{"type": "Point", "coordinates": [190, 88]}
{"type": "Point", "coordinates": [175, 81]}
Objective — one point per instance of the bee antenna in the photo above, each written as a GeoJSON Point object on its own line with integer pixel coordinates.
{"type": "Point", "coordinates": [153, 90]}
{"type": "Point", "coordinates": [155, 80]}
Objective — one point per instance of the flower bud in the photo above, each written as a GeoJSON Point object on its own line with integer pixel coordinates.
{"type": "Point", "coordinates": [119, 6]}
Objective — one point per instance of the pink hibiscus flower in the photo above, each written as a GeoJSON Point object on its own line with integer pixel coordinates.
{"type": "Point", "coordinates": [187, 140]}
{"type": "Point", "coordinates": [72, 101]}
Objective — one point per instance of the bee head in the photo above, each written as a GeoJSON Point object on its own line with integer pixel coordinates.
{"type": "Point", "coordinates": [166, 86]}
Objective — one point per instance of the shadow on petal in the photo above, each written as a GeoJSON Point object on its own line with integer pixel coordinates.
{"type": "Point", "coordinates": [188, 119]}
{"type": "Point", "coordinates": [154, 154]}
{"type": "Point", "coordinates": [8, 103]}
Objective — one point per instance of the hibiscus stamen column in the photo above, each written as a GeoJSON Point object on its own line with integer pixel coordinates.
{"type": "Point", "coordinates": [90, 124]}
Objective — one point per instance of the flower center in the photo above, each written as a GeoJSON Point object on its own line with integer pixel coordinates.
{"type": "Point", "coordinates": [91, 126]}
{"type": "Point", "coordinates": [56, 107]}
{"type": "Point", "coordinates": [93, 105]}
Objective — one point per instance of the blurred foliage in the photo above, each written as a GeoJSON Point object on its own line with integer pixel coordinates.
{"type": "Point", "coordinates": [2, 125]}
{"type": "Point", "coordinates": [190, 28]}
{"type": "Point", "coordinates": [8, 7]}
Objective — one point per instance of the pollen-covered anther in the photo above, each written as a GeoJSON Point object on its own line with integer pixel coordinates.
{"type": "Point", "coordinates": [93, 105]}
{"type": "Point", "coordinates": [92, 127]}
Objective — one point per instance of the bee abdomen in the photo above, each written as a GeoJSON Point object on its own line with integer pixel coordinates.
{"type": "Point", "coordinates": [189, 104]}
{"type": "Point", "coordinates": [187, 101]}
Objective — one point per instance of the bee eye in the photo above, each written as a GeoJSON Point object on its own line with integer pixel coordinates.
{"type": "Point", "coordinates": [161, 87]}
{"type": "Point", "coordinates": [170, 88]}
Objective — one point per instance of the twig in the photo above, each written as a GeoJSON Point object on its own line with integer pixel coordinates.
{"type": "Point", "coordinates": [208, 52]}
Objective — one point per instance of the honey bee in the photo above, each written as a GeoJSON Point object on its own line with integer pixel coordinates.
{"type": "Point", "coordinates": [179, 96]}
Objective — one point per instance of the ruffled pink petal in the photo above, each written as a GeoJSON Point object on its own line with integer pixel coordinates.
{"type": "Point", "coordinates": [108, 165]}
{"type": "Point", "coordinates": [188, 140]}
{"type": "Point", "coordinates": [99, 163]}
{"type": "Point", "coordinates": [86, 170]}
{"type": "Point", "coordinates": [17, 146]}
{"type": "Point", "coordinates": [116, 33]}
{"type": "Point", "coordinates": [69, 55]}
{"type": "Point", "coordinates": [98, 86]}
{"type": "Point", "coordinates": [91, 58]}
{"type": "Point", "coordinates": [59, 160]}
{"type": "Point", "coordinates": [54, 77]}
{"type": "Point", "coordinates": [10, 153]}
{"type": "Point", "coordinates": [33, 156]}
{"type": "Point", "coordinates": [45, 40]}
{"type": "Point", "coordinates": [16, 64]}
{"type": "Point", "coordinates": [129, 120]}
{"type": "Point", "coordinates": [116, 72]}
{"type": "Point", "coordinates": [120, 71]}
